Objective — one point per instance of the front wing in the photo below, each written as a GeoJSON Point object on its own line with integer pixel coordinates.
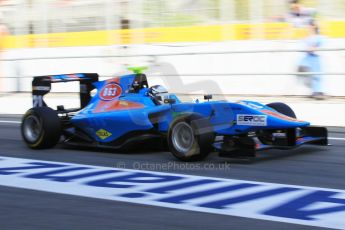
{"type": "Point", "coordinates": [249, 145]}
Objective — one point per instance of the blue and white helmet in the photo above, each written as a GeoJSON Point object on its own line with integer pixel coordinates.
{"type": "Point", "coordinates": [158, 89]}
{"type": "Point", "coordinates": [160, 93]}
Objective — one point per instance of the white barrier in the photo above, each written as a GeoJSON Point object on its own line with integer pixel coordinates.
{"type": "Point", "coordinates": [218, 72]}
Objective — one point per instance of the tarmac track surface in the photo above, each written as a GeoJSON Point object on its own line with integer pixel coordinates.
{"type": "Point", "coordinates": [30, 209]}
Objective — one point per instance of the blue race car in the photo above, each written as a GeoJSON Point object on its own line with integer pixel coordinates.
{"type": "Point", "coordinates": [125, 112]}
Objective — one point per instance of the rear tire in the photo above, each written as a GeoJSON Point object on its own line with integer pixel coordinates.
{"type": "Point", "coordinates": [190, 138]}
{"type": "Point", "coordinates": [41, 128]}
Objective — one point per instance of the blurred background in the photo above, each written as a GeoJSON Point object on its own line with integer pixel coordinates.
{"type": "Point", "coordinates": [55, 16]}
{"type": "Point", "coordinates": [252, 47]}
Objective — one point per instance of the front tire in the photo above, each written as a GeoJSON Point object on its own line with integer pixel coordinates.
{"type": "Point", "coordinates": [190, 138]}
{"type": "Point", "coordinates": [265, 136]}
{"type": "Point", "coordinates": [41, 128]}
{"type": "Point", "coordinates": [282, 108]}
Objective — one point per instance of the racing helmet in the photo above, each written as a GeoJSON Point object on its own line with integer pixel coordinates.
{"type": "Point", "coordinates": [159, 93]}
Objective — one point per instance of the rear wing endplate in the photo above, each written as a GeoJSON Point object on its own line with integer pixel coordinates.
{"type": "Point", "coordinates": [42, 85]}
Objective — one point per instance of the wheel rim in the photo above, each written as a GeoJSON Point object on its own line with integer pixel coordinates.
{"type": "Point", "coordinates": [182, 137]}
{"type": "Point", "coordinates": [32, 128]}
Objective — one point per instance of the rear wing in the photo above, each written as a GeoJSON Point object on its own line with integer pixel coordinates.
{"type": "Point", "coordinates": [42, 85]}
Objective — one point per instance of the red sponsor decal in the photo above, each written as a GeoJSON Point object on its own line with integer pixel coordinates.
{"type": "Point", "coordinates": [279, 115]}
{"type": "Point", "coordinates": [107, 106]}
{"type": "Point", "coordinates": [110, 91]}
{"type": "Point", "coordinates": [73, 76]}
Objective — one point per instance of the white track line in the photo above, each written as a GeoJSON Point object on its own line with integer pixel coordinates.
{"type": "Point", "coordinates": [336, 138]}
{"type": "Point", "coordinates": [257, 200]}
{"type": "Point", "coordinates": [18, 122]}
{"type": "Point", "coordinates": [11, 122]}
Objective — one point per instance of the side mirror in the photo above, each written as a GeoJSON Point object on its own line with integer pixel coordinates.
{"type": "Point", "coordinates": [169, 101]}
{"type": "Point", "coordinates": [60, 108]}
{"type": "Point", "coordinates": [208, 97]}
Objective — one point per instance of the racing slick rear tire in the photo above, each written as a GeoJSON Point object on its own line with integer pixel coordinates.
{"type": "Point", "coordinates": [190, 138]}
{"type": "Point", "coordinates": [41, 128]}
{"type": "Point", "coordinates": [282, 108]}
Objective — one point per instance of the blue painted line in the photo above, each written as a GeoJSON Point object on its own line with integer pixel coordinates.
{"type": "Point", "coordinates": [310, 206]}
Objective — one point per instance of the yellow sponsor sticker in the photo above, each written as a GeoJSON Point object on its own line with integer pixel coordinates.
{"type": "Point", "coordinates": [103, 134]}
{"type": "Point", "coordinates": [123, 103]}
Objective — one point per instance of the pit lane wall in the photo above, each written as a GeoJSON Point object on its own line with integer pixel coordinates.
{"type": "Point", "coordinates": [205, 33]}
{"type": "Point", "coordinates": [227, 73]}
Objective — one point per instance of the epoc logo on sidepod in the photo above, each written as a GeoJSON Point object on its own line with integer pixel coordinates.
{"type": "Point", "coordinates": [110, 91]}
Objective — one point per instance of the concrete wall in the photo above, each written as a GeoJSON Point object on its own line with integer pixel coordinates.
{"type": "Point", "coordinates": [184, 66]}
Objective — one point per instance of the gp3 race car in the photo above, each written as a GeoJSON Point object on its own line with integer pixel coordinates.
{"type": "Point", "coordinates": [125, 112]}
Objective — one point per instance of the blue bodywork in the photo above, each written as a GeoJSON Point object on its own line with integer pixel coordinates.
{"type": "Point", "coordinates": [115, 111]}
{"type": "Point", "coordinates": [124, 112]}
